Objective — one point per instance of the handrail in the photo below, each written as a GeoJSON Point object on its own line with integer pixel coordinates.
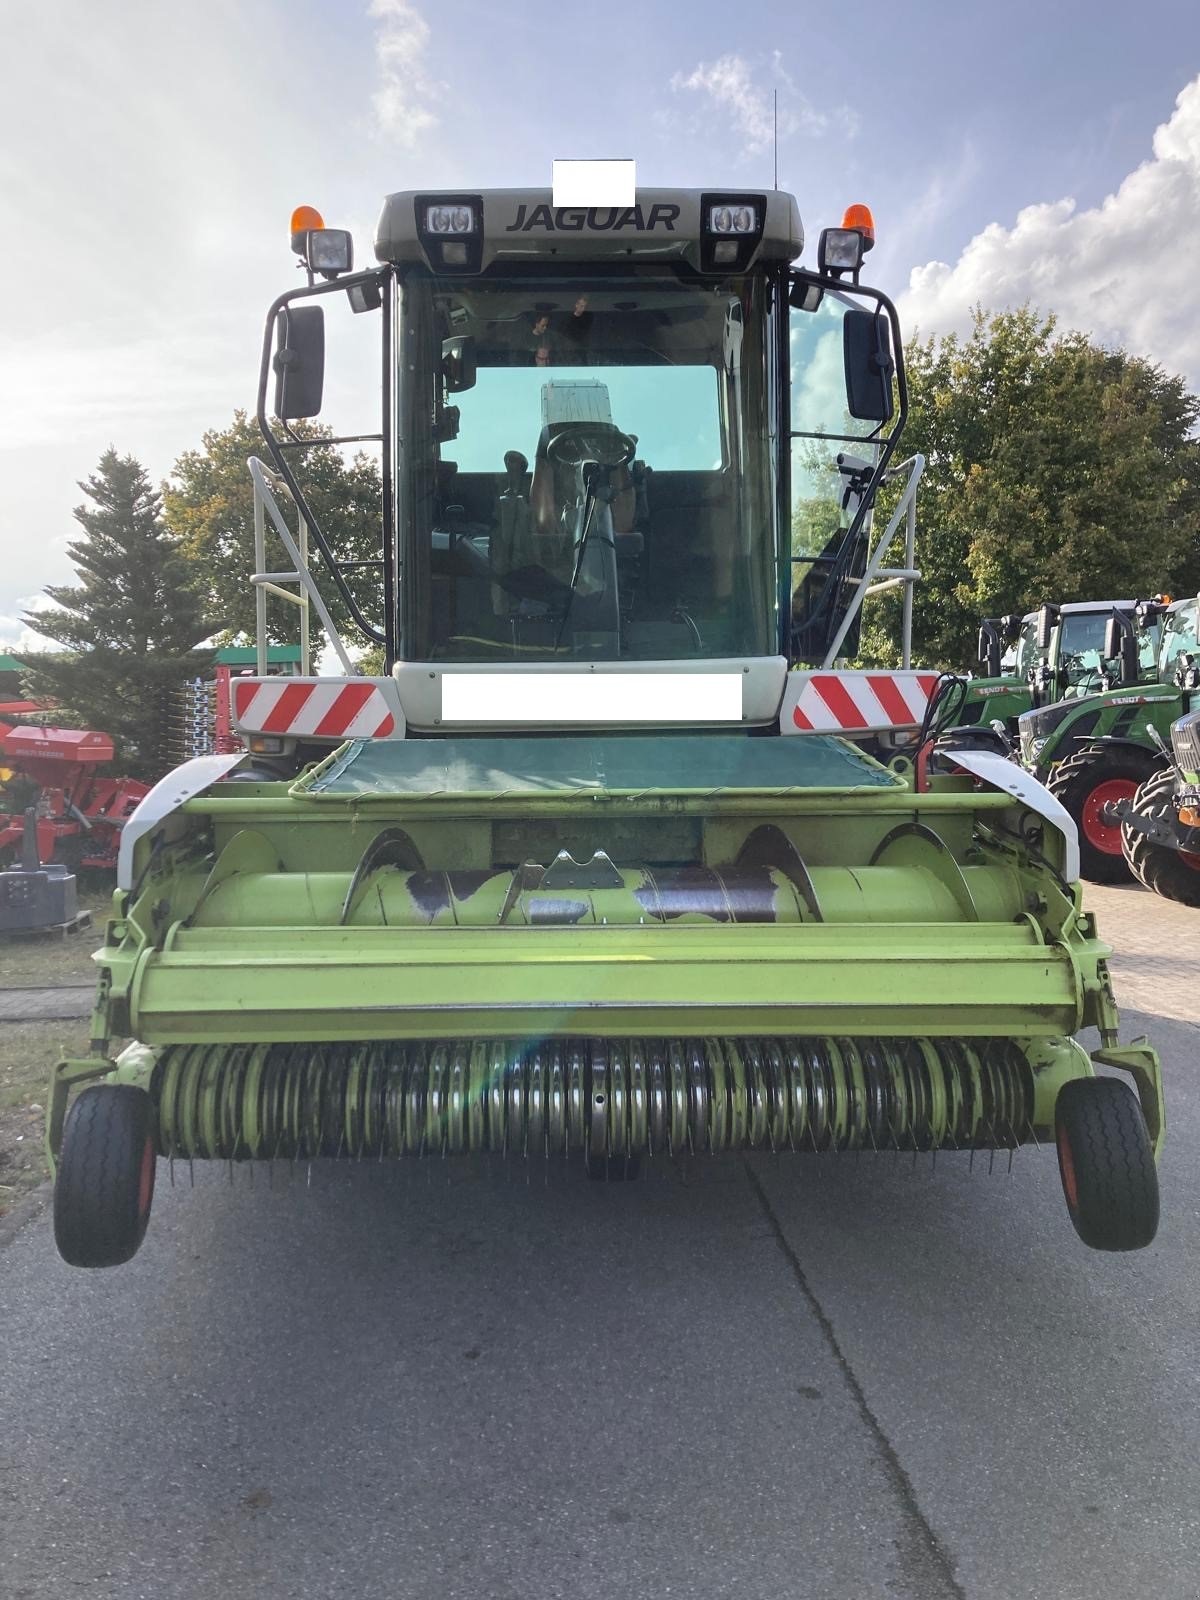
{"type": "Point", "coordinates": [266, 582]}
{"type": "Point", "coordinates": [890, 577]}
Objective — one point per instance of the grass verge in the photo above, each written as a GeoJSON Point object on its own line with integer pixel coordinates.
{"type": "Point", "coordinates": [35, 960]}
{"type": "Point", "coordinates": [28, 1050]}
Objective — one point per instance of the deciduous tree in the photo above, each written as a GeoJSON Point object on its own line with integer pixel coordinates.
{"type": "Point", "coordinates": [1055, 470]}
{"type": "Point", "coordinates": [209, 506]}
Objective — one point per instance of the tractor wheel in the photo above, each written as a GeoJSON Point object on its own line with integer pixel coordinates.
{"type": "Point", "coordinates": [1175, 874]}
{"type": "Point", "coordinates": [1106, 1164]}
{"type": "Point", "coordinates": [105, 1176]}
{"type": "Point", "coordinates": [1087, 783]}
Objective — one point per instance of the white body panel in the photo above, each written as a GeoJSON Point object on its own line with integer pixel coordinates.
{"type": "Point", "coordinates": [167, 795]}
{"type": "Point", "coordinates": [1002, 773]}
{"type": "Point", "coordinates": [608, 694]}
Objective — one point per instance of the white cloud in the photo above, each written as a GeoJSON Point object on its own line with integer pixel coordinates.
{"type": "Point", "coordinates": [148, 144]}
{"type": "Point", "coordinates": [730, 83]}
{"type": "Point", "coordinates": [15, 635]}
{"type": "Point", "coordinates": [406, 90]}
{"type": "Point", "coordinates": [1123, 271]}
{"type": "Point", "coordinates": [75, 382]}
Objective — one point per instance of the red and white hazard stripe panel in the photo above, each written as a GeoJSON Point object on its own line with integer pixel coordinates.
{"type": "Point", "coordinates": [854, 702]}
{"type": "Point", "coordinates": [318, 708]}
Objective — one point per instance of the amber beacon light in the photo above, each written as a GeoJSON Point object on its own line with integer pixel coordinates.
{"type": "Point", "coordinates": [304, 220]}
{"type": "Point", "coordinates": [860, 218]}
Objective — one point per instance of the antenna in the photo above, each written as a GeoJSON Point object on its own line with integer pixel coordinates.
{"type": "Point", "coordinates": [775, 131]}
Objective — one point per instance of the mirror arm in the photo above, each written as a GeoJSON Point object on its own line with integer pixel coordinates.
{"type": "Point", "coordinates": [279, 456]}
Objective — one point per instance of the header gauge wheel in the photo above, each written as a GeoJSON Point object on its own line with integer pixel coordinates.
{"type": "Point", "coordinates": [1106, 1164]}
{"type": "Point", "coordinates": [105, 1177]}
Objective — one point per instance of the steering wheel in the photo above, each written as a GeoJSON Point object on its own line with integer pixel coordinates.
{"type": "Point", "coordinates": [1091, 680]}
{"type": "Point", "coordinates": [577, 442]}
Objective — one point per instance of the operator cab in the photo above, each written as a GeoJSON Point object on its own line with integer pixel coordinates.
{"type": "Point", "coordinates": [614, 435]}
{"type": "Point", "coordinates": [593, 491]}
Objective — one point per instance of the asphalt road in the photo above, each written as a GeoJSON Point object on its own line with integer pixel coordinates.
{"type": "Point", "coordinates": [828, 1377]}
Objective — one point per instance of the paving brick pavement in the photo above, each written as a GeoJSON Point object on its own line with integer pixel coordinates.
{"type": "Point", "coordinates": [1156, 944]}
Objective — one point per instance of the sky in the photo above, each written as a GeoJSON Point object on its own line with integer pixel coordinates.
{"type": "Point", "coordinates": [151, 153]}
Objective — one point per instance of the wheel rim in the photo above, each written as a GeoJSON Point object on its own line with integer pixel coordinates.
{"type": "Point", "coordinates": [1101, 834]}
{"type": "Point", "coordinates": [1066, 1167]}
{"type": "Point", "coordinates": [146, 1179]}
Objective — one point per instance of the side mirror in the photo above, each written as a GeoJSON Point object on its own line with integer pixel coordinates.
{"type": "Point", "coordinates": [1121, 643]}
{"type": "Point", "coordinates": [1046, 618]}
{"type": "Point", "coordinates": [870, 367]}
{"type": "Point", "coordinates": [299, 362]}
{"type": "Point", "coordinates": [1112, 638]}
{"type": "Point", "coordinates": [458, 363]}
{"type": "Point", "coordinates": [989, 648]}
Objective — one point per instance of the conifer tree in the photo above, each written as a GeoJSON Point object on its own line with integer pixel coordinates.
{"type": "Point", "coordinates": [129, 628]}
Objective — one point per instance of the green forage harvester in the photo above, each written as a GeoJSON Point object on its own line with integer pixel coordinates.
{"type": "Point", "coordinates": [616, 858]}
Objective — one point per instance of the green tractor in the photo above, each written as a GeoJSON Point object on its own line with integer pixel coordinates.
{"type": "Point", "coordinates": [1160, 826]}
{"type": "Point", "coordinates": [1045, 656]}
{"type": "Point", "coordinates": [611, 863]}
{"type": "Point", "coordinates": [1007, 658]}
{"type": "Point", "coordinates": [1095, 751]}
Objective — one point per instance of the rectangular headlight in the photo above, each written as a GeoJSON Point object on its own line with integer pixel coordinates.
{"type": "Point", "coordinates": [731, 227]}
{"type": "Point", "coordinates": [450, 229]}
{"type": "Point", "coordinates": [329, 250]}
{"type": "Point", "coordinates": [731, 219]}
{"type": "Point", "coordinates": [840, 250]}
{"type": "Point", "coordinates": [449, 219]}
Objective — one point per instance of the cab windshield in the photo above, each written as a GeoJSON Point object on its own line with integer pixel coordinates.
{"type": "Point", "coordinates": [1179, 638]}
{"type": "Point", "coordinates": [1081, 648]}
{"type": "Point", "coordinates": [584, 468]}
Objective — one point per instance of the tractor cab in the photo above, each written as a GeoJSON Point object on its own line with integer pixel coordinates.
{"type": "Point", "coordinates": [1075, 655]}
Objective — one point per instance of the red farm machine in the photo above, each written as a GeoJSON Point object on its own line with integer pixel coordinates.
{"type": "Point", "coordinates": [79, 811]}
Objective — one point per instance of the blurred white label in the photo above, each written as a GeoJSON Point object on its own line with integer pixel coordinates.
{"type": "Point", "coordinates": [594, 183]}
{"type": "Point", "coordinates": [614, 697]}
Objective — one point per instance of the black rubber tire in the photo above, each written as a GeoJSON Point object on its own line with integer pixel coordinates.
{"type": "Point", "coordinates": [1168, 872]}
{"type": "Point", "coordinates": [1106, 1164]}
{"type": "Point", "coordinates": [105, 1180]}
{"type": "Point", "coordinates": [614, 1169]}
{"type": "Point", "coordinates": [1072, 781]}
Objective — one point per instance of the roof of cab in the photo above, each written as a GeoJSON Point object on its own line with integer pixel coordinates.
{"type": "Point", "coordinates": [524, 224]}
